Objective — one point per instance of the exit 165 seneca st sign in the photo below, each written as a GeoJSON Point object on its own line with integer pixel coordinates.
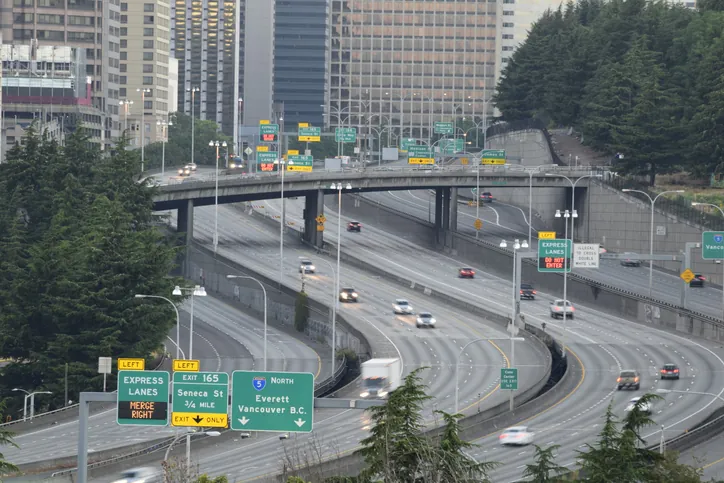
{"type": "Point", "coordinates": [272, 401]}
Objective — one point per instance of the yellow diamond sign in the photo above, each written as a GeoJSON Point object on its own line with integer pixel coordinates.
{"type": "Point", "coordinates": [687, 275]}
{"type": "Point", "coordinates": [478, 224]}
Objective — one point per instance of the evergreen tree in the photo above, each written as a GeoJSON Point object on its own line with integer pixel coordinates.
{"type": "Point", "coordinates": [544, 469]}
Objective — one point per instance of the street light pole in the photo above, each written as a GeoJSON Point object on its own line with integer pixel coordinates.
{"type": "Point", "coordinates": [193, 90]}
{"type": "Point", "coordinates": [457, 363]}
{"type": "Point", "coordinates": [339, 188]}
{"type": "Point", "coordinates": [263, 289]}
{"type": "Point", "coordinates": [164, 139]}
{"type": "Point", "coordinates": [31, 396]}
{"type": "Point", "coordinates": [651, 234]}
{"type": "Point", "coordinates": [143, 123]}
{"type": "Point", "coordinates": [722, 261]}
{"type": "Point", "coordinates": [178, 319]}
{"type": "Point", "coordinates": [216, 193]}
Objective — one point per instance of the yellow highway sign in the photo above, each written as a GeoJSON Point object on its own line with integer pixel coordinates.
{"type": "Point", "coordinates": [492, 161]}
{"type": "Point", "coordinates": [293, 152]}
{"type": "Point", "coordinates": [131, 364]}
{"type": "Point", "coordinates": [262, 149]}
{"type": "Point", "coordinates": [264, 121]}
{"type": "Point", "coordinates": [687, 275]}
{"type": "Point", "coordinates": [291, 167]}
{"type": "Point", "coordinates": [478, 224]}
{"type": "Point", "coordinates": [200, 420]}
{"type": "Point", "coordinates": [421, 161]}
{"type": "Point", "coordinates": [464, 161]}
{"type": "Point", "coordinates": [320, 227]}
{"type": "Point", "coordinates": [182, 365]}
{"type": "Point", "coordinates": [310, 139]}
{"type": "Point", "coordinates": [546, 235]}
{"type": "Point", "coordinates": [303, 124]}
{"type": "Point", "coordinates": [321, 219]}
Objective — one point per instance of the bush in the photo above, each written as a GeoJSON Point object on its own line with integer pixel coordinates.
{"type": "Point", "coordinates": [301, 312]}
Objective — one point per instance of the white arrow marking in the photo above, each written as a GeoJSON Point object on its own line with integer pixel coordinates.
{"type": "Point", "coordinates": [243, 421]}
{"type": "Point", "coordinates": [299, 422]}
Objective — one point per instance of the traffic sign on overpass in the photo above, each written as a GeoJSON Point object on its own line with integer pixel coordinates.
{"type": "Point", "coordinates": [554, 256]}
{"type": "Point", "coordinates": [444, 128]}
{"type": "Point", "coordinates": [272, 401]}
{"type": "Point", "coordinates": [509, 378]}
{"type": "Point", "coordinates": [407, 143]}
{"type": "Point", "coordinates": [309, 134]}
{"type": "Point", "coordinates": [268, 133]}
{"type": "Point", "coordinates": [418, 151]}
{"type": "Point", "coordinates": [493, 156]}
{"type": "Point", "coordinates": [200, 399]}
{"type": "Point", "coordinates": [345, 134]}
{"type": "Point", "coordinates": [712, 245]}
{"type": "Point", "coordinates": [300, 163]}
{"type": "Point", "coordinates": [451, 146]}
{"type": "Point", "coordinates": [142, 398]}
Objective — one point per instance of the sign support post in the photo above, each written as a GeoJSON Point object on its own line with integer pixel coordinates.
{"type": "Point", "coordinates": [84, 413]}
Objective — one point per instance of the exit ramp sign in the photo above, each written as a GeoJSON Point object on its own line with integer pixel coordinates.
{"type": "Point", "coordinates": [200, 399]}
{"type": "Point", "coordinates": [272, 401]}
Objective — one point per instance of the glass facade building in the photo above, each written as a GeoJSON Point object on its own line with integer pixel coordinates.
{"type": "Point", "coordinates": [408, 64]}
{"type": "Point", "coordinates": [301, 58]}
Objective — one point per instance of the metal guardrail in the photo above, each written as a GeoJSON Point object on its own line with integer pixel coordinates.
{"type": "Point", "coordinates": [64, 409]}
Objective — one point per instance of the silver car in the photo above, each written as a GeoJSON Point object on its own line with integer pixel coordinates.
{"type": "Point", "coordinates": [402, 306]}
{"type": "Point", "coordinates": [425, 319]}
{"type": "Point", "coordinates": [140, 475]}
{"type": "Point", "coordinates": [559, 309]}
{"type": "Point", "coordinates": [306, 266]}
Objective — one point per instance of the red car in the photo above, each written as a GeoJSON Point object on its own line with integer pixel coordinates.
{"type": "Point", "coordinates": [466, 273]}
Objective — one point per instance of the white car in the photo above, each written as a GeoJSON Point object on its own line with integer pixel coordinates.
{"type": "Point", "coordinates": [644, 407]}
{"type": "Point", "coordinates": [402, 306]}
{"type": "Point", "coordinates": [425, 319]}
{"type": "Point", "coordinates": [306, 266]}
{"type": "Point", "coordinates": [140, 475]}
{"type": "Point", "coordinates": [558, 310]}
{"type": "Point", "coordinates": [517, 435]}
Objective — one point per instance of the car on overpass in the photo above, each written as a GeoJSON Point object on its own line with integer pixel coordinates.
{"type": "Point", "coordinates": [466, 272]}
{"type": "Point", "coordinates": [354, 226]}
{"type": "Point", "coordinates": [560, 309]}
{"type": "Point", "coordinates": [697, 281]}
{"type": "Point", "coordinates": [185, 171]}
{"type": "Point", "coordinates": [527, 291]}
{"type": "Point", "coordinates": [630, 259]}
{"type": "Point", "coordinates": [348, 294]}
{"type": "Point", "coordinates": [486, 197]}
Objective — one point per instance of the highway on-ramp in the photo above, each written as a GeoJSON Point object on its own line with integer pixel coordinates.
{"type": "Point", "coordinates": [505, 221]}
{"type": "Point", "coordinates": [604, 344]}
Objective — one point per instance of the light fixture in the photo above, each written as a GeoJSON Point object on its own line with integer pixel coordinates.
{"type": "Point", "coordinates": [516, 245]}
{"type": "Point", "coordinates": [575, 214]}
{"type": "Point", "coordinates": [348, 187]}
{"type": "Point", "coordinates": [211, 143]}
{"type": "Point", "coordinates": [558, 212]}
{"type": "Point", "coordinates": [566, 214]}
{"type": "Point", "coordinates": [177, 291]}
{"type": "Point", "coordinates": [139, 296]}
{"type": "Point", "coordinates": [524, 244]}
{"type": "Point", "coordinates": [503, 244]}
{"type": "Point", "coordinates": [199, 291]}
{"type": "Point", "coordinates": [694, 203]}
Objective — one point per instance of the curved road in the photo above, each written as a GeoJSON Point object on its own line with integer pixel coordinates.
{"type": "Point", "coordinates": [501, 220]}
{"type": "Point", "coordinates": [224, 340]}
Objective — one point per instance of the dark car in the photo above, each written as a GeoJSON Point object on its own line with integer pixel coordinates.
{"type": "Point", "coordinates": [348, 295]}
{"type": "Point", "coordinates": [631, 260]}
{"type": "Point", "coordinates": [486, 197]}
{"type": "Point", "coordinates": [354, 226]}
{"type": "Point", "coordinates": [527, 291]}
{"type": "Point", "coordinates": [697, 281]}
{"type": "Point", "coordinates": [670, 371]}
{"type": "Point", "coordinates": [466, 272]}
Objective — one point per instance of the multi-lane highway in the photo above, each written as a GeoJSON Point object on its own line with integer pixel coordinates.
{"type": "Point", "coordinates": [501, 220]}
{"type": "Point", "coordinates": [224, 340]}
{"type": "Point", "coordinates": [255, 244]}
{"type": "Point", "coordinates": [604, 344]}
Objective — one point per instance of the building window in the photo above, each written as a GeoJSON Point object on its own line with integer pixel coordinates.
{"type": "Point", "coordinates": [508, 12]}
{"type": "Point", "coordinates": [508, 36]}
{"type": "Point", "coordinates": [148, 32]}
{"type": "Point", "coordinates": [122, 92]}
{"type": "Point", "coordinates": [81, 20]}
{"type": "Point", "coordinates": [148, 104]}
{"type": "Point", "coordinates": [148, 56]}
{"type": "Point", "coordinates": [50, 19]}
{"type": "Point", "coordinates": [55, 35]}
{"type": "Point", "coordinates": [507, 48]}
{"type": "Point", "coordinates": [147, 68]}
{"type": "Point", "coordinates": [124, 80]}
{"type": "Point", "coordinates": [90, 53]}
{"type": "Point", "coordinates": [49, 3]}
{"type": "Point", "coordinates": [124, 67]}
{"type": "Point", "coordinates": [22, 34]}
{"type": "Point", "coordinates": [508, 1]}
{"type": "Point", "coordinates": [124, 7]}
{"type": "Point", "coordinates": [124, 55]}
{"type": "Point", "coordinates": [24, 18]}
{"type": "Point", "coordinates": [147, 80]}
{"type": "Point", "coordinates": [80, 4]}
{"type": "Point", "coordinates": [124, 31]}
{"type": "Point", "coordinates": [508, 24]}
{"type": "Point", "coordinates": [148, 44]}
{"type": "Point", "coordinates": [148, 19]}
{"type": "Point", "coordinates": [505, 59]}
{"type": "Point", "coordinates": [23, 3]}
{"type": "Point", "coordinates": [124, 19]}
{"type": "Point", "coordinates": [124, 43]}
{"type": "Point", "coordinates": [148, 7]}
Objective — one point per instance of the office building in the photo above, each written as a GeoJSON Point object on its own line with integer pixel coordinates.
{"type": "Point", "coordinates": [409, 64]}
{"type": "Point", "coordinates": [145, 44]}
{"type": "Point", "coordinates": [206, 43]}
{"type": "Point", "coordinates": [88, 24]}
{"type": "Point", "coordinates": [301, 59]}
{"type": "Point", "coordinates": [48, 86]}
{"type": "Point", "coordinates": [259, 58]}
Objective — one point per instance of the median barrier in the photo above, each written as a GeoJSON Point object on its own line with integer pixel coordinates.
{"type": "Point", "coordinates": [582, 290]}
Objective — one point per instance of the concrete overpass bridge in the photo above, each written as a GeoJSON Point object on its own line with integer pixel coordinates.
{"type": "Point", "coordinates": [445, 180]}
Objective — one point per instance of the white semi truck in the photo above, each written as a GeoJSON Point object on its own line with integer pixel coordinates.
{"type": "Point", "coordinates": [380, 377]}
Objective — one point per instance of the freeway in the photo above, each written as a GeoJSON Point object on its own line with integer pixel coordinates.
{"type": "Point", "coordinates": [502, 220]}
{"type": "Point", "coordinates": [255, 244]}
{"type": "Point", "coordinates": [707, 456]}
{"type": "Point", "coordinates": [224, 340]}
{"type": "Point", "coordinates": [603, 343]}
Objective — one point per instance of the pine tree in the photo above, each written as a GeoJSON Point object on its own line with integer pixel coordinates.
{"type": "Point", "coordinates": [544, 469]}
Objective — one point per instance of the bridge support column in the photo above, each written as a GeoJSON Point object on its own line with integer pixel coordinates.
{"type": "Point", "coordinates": [454, 209]}
{"type": "Point", "coordinates": [446, 209]}
{"type": "Point", "coordinates": [185, 224]}
{"type": "Point", "coordinates": [439, 237]}
{"type": "Point", "coordinates": [313, 207]}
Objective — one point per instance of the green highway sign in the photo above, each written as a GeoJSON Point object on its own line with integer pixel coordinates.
{"type": "Point", "coordinates": [492, 156]}
{"type": "Point", "coordinates": [444, 128]}
{"type": "Point", "coordinates": [269, 133]}
{"type": "Point", "coordinates": [712, 245]}
{"type": "Point", "coordinates": [268, 157]}
{"type": "Point", "coordinates": [417, 151]}
{"type": "Point", "coordinates": [345, 134]}
{"type": "Point", "coordinates": [509, 378]}
{"type": "Point", "coordinates": [406, 143]}
{"type": "Point", "coordinates": [299, 162]}
{"type": "Point", "coordinates": [142, 398]}
{"type": "Point", "coordinates": [200, 399]}
{"type": "Point", "coordinates": [451, 146]}
{"type": "Point", "coordinates": [310, 134]}
{"type": "Point", "coordinates": [554, 256]}
{"type": "Point", "coordinates": [272, 401]}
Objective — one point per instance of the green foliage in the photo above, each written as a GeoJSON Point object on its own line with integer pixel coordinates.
{"type": "Point", "coordinates": [637, 77]}
{"type": "Point", "coordinates": [544, 469]}
{"type": "Point", "coordinates": [77, 242]}
{"type": "Point", "coordinates": [6, 439]}
{"type": "Point", "coordinates": [301, 312]}
{"type": "Point", "coordinates": [178, 147]}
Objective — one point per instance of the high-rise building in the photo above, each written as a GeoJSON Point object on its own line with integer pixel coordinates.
{"type": "Point", "coordinates": [409, 64]}
{"type": "Point", "coordinates": [89, 24]}
{"type": "Point", "coordinates": [145, 43]}
{"type": "Point", "coordinates": [259, 58]}
{"type": "Point", "coordinates": [206, 43]}
{"type": "Point", "coordinates": [301, 59]}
